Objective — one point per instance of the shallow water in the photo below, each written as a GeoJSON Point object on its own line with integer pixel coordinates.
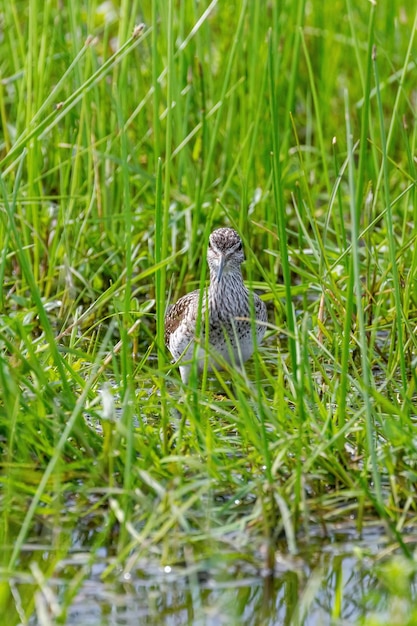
{"type": "Point", "coordinates": [331, 581]}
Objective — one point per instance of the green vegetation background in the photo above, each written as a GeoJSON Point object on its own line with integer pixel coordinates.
{"type": "Point", "coordinates": [121, 147]}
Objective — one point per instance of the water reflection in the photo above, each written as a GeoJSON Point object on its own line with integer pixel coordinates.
{"type": "Point", "coordinates": [283, 600]}
{"type": "Point", "coordinates": [327, 584]}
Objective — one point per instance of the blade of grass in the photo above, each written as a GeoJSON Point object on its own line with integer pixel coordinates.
{"type": "Point", "coordinates": [363, 344]}
{"type": "Point", "coordinates": [390, 233]}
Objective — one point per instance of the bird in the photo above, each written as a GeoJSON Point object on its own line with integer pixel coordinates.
{"type": "Point", "coordinates": [226, 307]}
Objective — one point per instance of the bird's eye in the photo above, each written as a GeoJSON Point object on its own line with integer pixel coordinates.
{"type": "Point", "coordinates": [239, 247]}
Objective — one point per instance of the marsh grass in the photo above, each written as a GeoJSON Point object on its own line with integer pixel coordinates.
{"type": "Point", "coordinates": [120, 149]}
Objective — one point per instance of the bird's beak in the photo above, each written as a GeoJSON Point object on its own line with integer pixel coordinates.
{"type": "Point", "coordinates": [221, 268]}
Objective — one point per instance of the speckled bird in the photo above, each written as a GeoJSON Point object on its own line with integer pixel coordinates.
{"type": "Point", "coordinates": [229, 309]}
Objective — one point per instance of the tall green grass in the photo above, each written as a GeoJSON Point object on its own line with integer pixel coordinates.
{"type": "Point", "coordinates": [121, 147]}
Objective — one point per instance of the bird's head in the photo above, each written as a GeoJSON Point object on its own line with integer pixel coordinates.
{"type": "Point", "coordinates": [224, 253]}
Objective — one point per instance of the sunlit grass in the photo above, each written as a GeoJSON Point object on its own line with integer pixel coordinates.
{"type": "Point", "coordinates": [121, 148]}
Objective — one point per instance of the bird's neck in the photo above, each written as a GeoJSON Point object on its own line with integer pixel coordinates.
{"type": "Point", "coordinates": [230, 281]}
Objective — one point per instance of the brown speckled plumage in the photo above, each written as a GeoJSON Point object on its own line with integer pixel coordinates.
{"type": "Point", "coordinates": [229, 307]}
